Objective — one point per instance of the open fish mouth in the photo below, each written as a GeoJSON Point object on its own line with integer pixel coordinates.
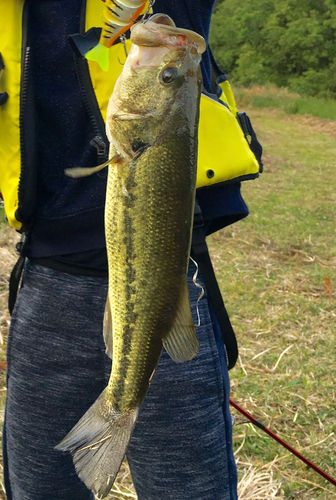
{"type": "Point", "coordinates": [159, 36]}
{"type": "Point", "coordinates": [160, 30]}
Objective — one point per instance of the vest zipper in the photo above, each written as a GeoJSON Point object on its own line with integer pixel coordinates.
{"type": "Point", "coordinates": [26, 196]}
{"type": "Point", "coordinates": [27, 181]}
{"type": "Point", "coordinates": [23, 96]}
{"type": "Point", "coordinates": [100, 141]}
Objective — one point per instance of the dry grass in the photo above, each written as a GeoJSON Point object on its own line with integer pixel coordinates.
{"type": "Point", "coordinates": [258, 483]}
{"type": "Point", "coordinates": [123, 488]}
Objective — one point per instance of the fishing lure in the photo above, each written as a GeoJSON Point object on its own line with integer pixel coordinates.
{"type": "Point", "coordinates": [119, 15]}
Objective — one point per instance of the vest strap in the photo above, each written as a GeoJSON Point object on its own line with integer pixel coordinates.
{"type": "Point", "coordinates": [15, 277]}
{"type": "Point", "coordinates": [200, 253]}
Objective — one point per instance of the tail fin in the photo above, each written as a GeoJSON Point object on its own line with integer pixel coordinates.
{"type": "Point", "coordinates": [98, 444]}
{"type": "Point", "coordinates": [101, 55]}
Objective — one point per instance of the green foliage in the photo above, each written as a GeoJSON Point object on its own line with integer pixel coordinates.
{"type": "Point", "coordinates": [286, 42]}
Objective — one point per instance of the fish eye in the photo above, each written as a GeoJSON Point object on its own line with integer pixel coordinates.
{"type": "Point", "coordinates": [139, 147]}
{"type": "Point", "coordinates": [137, 144]}
{"type": "Point", "coordinates": [169, 75]}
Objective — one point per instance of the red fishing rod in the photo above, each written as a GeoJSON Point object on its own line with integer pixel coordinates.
{"type": "Point", "coordinates": [282, 442]}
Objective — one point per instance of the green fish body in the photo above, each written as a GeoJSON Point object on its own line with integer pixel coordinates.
{"type": "Point", "coordinates": [152, 125]}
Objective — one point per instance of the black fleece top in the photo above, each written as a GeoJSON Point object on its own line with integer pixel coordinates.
{"type": "Point", "coordinates": [68, 232]}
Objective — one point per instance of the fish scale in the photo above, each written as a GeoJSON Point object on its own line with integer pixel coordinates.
{"type": "Point", "coordinates": [149, 248]}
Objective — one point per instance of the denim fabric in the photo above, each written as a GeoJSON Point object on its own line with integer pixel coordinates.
{"type": "Point", "coordinates": [181, 446]}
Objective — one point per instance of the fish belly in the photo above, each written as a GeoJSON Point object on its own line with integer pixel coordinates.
{"type": "Point", "coordinates": [149, 205]}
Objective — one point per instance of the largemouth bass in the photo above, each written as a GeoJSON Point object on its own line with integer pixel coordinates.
{"type": "Point", "coordinates": [152, 125]}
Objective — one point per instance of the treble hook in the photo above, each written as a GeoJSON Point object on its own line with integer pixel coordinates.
{"type": "Point", "coordinates": [123, 39]}
{"type": "Point", "coordinates": [144, 17]}
{"type": "Point", "coordinates": [150, 6]}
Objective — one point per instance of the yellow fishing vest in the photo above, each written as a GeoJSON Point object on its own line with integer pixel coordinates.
{"type": "Point", "coordinates": [223, 154]}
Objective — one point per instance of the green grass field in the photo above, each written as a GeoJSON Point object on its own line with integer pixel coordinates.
{"type": "Point", "coordinates": [277, 272]}
{"type": "Point", "coordinates": [270, 96]}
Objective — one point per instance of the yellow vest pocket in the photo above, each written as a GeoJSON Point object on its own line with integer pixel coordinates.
{"type": "Point", "coordinates": [223, 151]}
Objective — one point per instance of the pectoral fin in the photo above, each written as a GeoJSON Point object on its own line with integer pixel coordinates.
{"type": "Point", "coordinates": [181, 342]}
{"type": "Point", "coordinates": [108, 329]}
{"type": "Point", "coordinates": [85, 172]}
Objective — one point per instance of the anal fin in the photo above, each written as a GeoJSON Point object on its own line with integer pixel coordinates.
{"type": "Point", "coordinates": [181, 343]}
{"type": "Point", "coordinates": [108, 329]}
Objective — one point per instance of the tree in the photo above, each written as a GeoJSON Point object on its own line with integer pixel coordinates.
{"type": "Point", "coordinates": [286, 42]}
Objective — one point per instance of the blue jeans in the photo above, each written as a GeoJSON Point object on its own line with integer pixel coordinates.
{"type": "Point", "coordinates": [181, 448]}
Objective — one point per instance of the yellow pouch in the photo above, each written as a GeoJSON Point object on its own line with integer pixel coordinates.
{"type": "Point", "coordinates": [223, 151]}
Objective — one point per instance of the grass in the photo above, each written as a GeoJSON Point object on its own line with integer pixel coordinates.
{"type": "Point", "coordinates": [277, 272]}
{"type": "Point", "coordinates": [272, 97]}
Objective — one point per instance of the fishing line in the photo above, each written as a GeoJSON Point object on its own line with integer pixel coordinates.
{"type": "Point", "coordinates": [198, 286]}
{"type": "Point", "coordinates": [144, 19]}
{"type": "Point", "coordinates": [239, 421]}
{"type": "Point", "coordinates": [146, 15]}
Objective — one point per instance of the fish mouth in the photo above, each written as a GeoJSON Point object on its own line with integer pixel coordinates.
{"type": "Point", "coordinates": [160, 30]}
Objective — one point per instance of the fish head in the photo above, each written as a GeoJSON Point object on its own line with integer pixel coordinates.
{"type": "Point", "coordinates": [159, 88]}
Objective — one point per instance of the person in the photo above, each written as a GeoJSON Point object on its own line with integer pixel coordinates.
{"type": "Point", "coordinates": [181, 447]}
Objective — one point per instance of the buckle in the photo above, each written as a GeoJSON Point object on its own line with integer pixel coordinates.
{"type": "Point", "coordinates": [245, 124]}
{"type": "Point", "coordinates": [3, 95]}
